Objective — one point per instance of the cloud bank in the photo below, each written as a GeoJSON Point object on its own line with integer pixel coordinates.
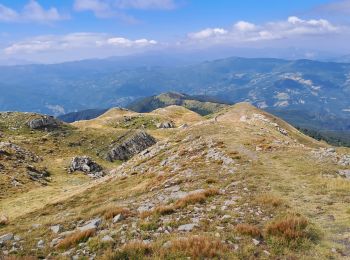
{"type": "Point", "coordinates": [243, 31]}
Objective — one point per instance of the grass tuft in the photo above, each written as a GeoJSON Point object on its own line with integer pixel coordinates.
{"type": "Point", "coordinates": [289, 228]}
{"type": "Point", "coordinates": [248, 230]}
{"type": "Point", "coordinates": [199, 197]}
{"type": "Point", "coordinates": [197, 247]}
{"type": "Point", "coordinates": [76, 238]}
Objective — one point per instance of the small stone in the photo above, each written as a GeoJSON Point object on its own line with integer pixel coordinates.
{"type": "Point", "coordinates": [186, 227]}
{"type": "Point", "coordinates": [266, 252]}
{"type": "Point", "coordinates": [56, 229]}
{"type": "Point", "coordinates": [41, 244]}
{"type": "Point", "coordinates": [118, 218]}
{"type": "Point", "coordinates": [107, 239]}
{"type": "Point", "coordinates": [255, 241]}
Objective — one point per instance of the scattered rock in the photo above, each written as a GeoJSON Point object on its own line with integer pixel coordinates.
{"type": "Point", "coordinates": [134, 145]}
{"type": "Point", "coordinates": [86, 165]}
{"type": "Point", "coordinates": [91, 224]}
{"type": "Point", "coordinates": [44, 123]}
{"type": "Point", "coordinates": [186, 227]}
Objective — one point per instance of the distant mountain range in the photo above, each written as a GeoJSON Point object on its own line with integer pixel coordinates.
{"type": "Point", "coordinates": [307, 93]}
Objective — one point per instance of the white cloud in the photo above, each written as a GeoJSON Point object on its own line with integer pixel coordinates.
{"type": "Point", "coordinates": [243, 31]}
{"type": "Point", "coordinates": [208, 33]}
{"type": "Point", "coordinates": [75, 41]}
{"type": "Point", "coordinates": [114, 8]}
{"type": "Point", "coordinates": [244, 26]}
{"type": "Point", "coordinates": [31, 12]}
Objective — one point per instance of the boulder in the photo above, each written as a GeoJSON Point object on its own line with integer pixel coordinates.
{"type": "Point", "coordinates": [87, 165]}
{"type": "Point", "coordinates": [134, 145]}
{"type": "Point", "coordinates": [44, 123]}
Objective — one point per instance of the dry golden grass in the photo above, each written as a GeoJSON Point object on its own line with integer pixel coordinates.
{"type": "Point", "coordinates": [114, 211]}
{"type": "Point", "coordinates": [198, 247]}
{"type": "Point", "coordinates": [199, 197]}
{"type": "Point", "coordinates": [18, 257]}
{"type": "Point", "coordinates": [160, 210]}
{"type": "Point", "coordinates": [76, 238]}
{"type": "Point", "coordinates": [289, 228]}
{"type": "Point", "coordinates": [269, 200]}
{"type": "Point", "coordinates": [249, 230]}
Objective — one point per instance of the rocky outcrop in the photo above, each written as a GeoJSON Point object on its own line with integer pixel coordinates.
{"type": "Point", "coordinates": [44, 123]}
{"type": "Point", "coordinates": [166, 125]}
{"type": "Point", "coordinates": [134, 145]}
{"type": "Point", "coordinates": [39, 175]}
{"type": "Point", "coordinates": [86, 165]}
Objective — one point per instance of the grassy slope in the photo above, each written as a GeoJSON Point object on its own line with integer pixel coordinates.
{"type": "Point", "coordinates": [281, 179]}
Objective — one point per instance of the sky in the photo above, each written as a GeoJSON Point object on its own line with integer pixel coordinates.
{"type": "Point", "coordinates": [52, 31]}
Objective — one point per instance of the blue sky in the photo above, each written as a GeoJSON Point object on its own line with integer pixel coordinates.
{"type": "Point", "coordinates": [59, 30]}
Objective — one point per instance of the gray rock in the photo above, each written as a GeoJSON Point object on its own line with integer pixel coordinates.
{"type": "Point", "coordinates": [91, 224]}
{"type": "Point", "coordinates": [186, 227]}
{"type": "Point", "coordinates": [6, 237]}
{"type": "Point", "coordinates": [56, 229]}
{"type": "Point", "coordinates": [86, 165]}
{"type": "Point", "coordinates": [134, 145]}
{"type": "Point", "coordinates": [118, 218]}
{"type": "Point", "coordinates": [44, 122]}
{"type": "Point", "coordinates": [166, 125]}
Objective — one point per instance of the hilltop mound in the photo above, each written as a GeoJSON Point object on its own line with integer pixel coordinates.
{"type": "Point", "coordinates": [242, 184]}
{"type": "Point", "coordinates": [200, 104]}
